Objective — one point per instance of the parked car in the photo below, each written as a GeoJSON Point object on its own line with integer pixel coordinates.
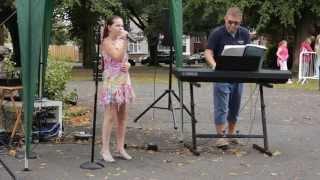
{"type": "Point", "coordinates": [195, 58]}
{"type": "Point", "coordinates": [132, 62]}
{"type": "Point", "coordinates": [162, 57]}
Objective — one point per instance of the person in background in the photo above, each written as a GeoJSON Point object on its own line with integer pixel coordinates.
{"type": "Point", "coordinates": [227, 96]}
{"type": "Point", "coordinates": [306, 47]}
{"type": "Point", "coordinates": [282, 57]}
{"type": "Point", "coordinates": [306, 50]}
{"type": "Point", "coordinates": [317, 50]}
{"type": "Point", "coordinates": [116, 91]}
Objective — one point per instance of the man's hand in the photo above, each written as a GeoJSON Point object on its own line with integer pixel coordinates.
{"type": "Point", "coordinates": [213, 65]}
{"type": "Point", "coordinates": [208, 54]}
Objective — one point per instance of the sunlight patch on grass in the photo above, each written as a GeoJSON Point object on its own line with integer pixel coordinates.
{"type": "Point", "coordinates": [309, 85]}
{"type": "Point", "coordinates": [160, 75]}
{"type": "Point", "coordinates": [82, 75]}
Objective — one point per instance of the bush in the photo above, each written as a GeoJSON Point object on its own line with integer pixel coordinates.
{"type": "Point", "coordinates": [57, 75]}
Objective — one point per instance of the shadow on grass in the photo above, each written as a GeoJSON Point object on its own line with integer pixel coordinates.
{"type": "Point", "coordinates": [310, 85]}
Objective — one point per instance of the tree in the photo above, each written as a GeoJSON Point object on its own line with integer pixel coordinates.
{"type": "Point", "coordinates": [295, 19]}
{"type": "Point", "coordinates": [281, 19]}
{"type": "Point", "coordinates": [7, 12]}
{"type": "Point", "coordinates": [6, 9]}
{"type": "Point", "coordinates": [84, 16]}
{"type": "Point", "coordinates": [200, 17]}
{"type": "Point", "coordinates": [148, 15]}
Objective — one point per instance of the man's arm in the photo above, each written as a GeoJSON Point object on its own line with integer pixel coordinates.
{"type": "Point", "coordinates": [208, 54]}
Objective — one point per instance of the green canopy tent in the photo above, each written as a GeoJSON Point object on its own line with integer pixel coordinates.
{"type": "Point", "coordinates": [34, 22]}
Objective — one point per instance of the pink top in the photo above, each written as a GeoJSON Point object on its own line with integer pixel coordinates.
{"type": "Point", "coordinates": [282, 53]}
{"type": "Point", "coordinates": [305, 47]}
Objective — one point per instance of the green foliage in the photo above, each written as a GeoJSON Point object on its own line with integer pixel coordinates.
{"type": "Point", "coordinates": [271, 59]}
{"type": "Point", "coordinates": [9, 68]}
{"type": "Point", "coordinates": [71, 97]}
{"type": "Point", "coordinates": [60, 33]}
{"type": "Point", "coordinates": [149, 16]}
{"type": "Point", "coordinates": [202, 16]}
{"type": "Point", "coordinates": [57, 75]}
{"type": "Point", "coordinates": [5, 4]}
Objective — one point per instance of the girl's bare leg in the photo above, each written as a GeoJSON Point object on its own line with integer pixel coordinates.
{"type": "Point", "coordinates": [122, 116]}
{"type": "Point", "coordinates": [109, 116]}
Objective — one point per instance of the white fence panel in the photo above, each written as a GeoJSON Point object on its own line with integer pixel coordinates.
{"type": "Point", "coordinates": [308, 66]}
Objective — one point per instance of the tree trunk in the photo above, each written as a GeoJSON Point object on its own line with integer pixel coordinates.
{"type": "Point", "coordinates": [84, 22]}
{"type": "Point", "coordinates": [153, 39]}
{"type": "Point", "coordinates": [88, 47]}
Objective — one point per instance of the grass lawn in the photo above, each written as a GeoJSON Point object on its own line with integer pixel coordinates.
{"type": "Point", "coordinates": [139, 74]}
{"type": "Point", "coordinates": [147, 74]}
{"type": "Point", "coordinates": [309, 85]}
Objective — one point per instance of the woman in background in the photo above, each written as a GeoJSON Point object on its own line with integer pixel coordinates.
{"type": "Point", "coordinates": [317, 50]}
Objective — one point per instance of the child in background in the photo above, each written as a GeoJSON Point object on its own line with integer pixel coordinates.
{"type": "Point", "coordinates": [282, 56]}
{"type": "Point", "coordinates": [317, 50]}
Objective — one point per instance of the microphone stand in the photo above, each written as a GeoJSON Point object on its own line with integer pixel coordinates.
{"type": "Point", "coordinates": [92, 164]}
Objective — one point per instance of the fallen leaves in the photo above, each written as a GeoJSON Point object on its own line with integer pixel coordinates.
{"type": "Point", "coordinates": [233, 174]}
{"type": "Point", "coordinates": [90, 175]}
{"type": "Point", "coordinates": [77, 116]}
{"type": "Point", "coordinates": [12, 152]}
{"type": "Point", "coordinates": [276, 153]}
{"type": "Point", "coordinates": [238, 152]}
{"type": "Point", "coordinates": [274, 174]}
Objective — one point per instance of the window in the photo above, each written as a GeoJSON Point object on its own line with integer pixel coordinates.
{"type": "Point", "coordinates": [135, 47]}
{"type": "Point", "coordinates": [197, 39]}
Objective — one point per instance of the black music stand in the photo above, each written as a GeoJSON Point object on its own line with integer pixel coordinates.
{"type": "Point", "coordinates": [168, 92]}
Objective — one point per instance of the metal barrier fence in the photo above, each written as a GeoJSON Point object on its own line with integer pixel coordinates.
{"type": "Point", "coordinates": [308, 66]}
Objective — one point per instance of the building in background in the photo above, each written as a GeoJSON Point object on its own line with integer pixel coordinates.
{"type": "Point", "coordinates": [138, 49]}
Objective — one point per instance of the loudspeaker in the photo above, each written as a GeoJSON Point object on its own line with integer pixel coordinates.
{"type": "Point", "coordinates": [166, 27]}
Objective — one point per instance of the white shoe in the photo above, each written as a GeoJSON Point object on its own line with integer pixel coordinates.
{"type": "Point", "coordinates": [107, 157]}
{"type": "Point", "coordinates": [124, 155]}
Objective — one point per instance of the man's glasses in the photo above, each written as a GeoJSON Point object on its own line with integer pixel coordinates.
{"type": "Point", "coordinates": [236, 23]}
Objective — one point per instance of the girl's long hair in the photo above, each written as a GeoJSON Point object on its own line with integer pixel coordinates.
{"type": "Point", "coordinates": [109, 22]}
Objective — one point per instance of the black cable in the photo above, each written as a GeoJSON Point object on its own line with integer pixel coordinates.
{"type": "Point", "coordinates": [13, 176]}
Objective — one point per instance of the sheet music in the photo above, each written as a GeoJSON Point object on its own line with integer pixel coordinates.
{"type": "Point", "coordinates": [238, 50]}
{"type": "Point", "coordinates": [233, 50]}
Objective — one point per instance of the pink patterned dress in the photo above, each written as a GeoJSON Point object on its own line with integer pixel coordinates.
{"type": "Point", "coordinates": [116, 88]}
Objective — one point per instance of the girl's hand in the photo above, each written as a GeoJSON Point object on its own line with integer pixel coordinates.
{"type": "Point", "coordinates": [125, 67]}
{"type": "Point", "coordinates": [123, 35]}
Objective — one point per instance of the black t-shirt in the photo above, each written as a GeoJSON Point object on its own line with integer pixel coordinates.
{"type": "Point", "coordinates": [220, 37]}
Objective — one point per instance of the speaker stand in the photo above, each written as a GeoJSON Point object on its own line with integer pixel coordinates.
{"type": "Point", "coordinates": [168, 92]}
